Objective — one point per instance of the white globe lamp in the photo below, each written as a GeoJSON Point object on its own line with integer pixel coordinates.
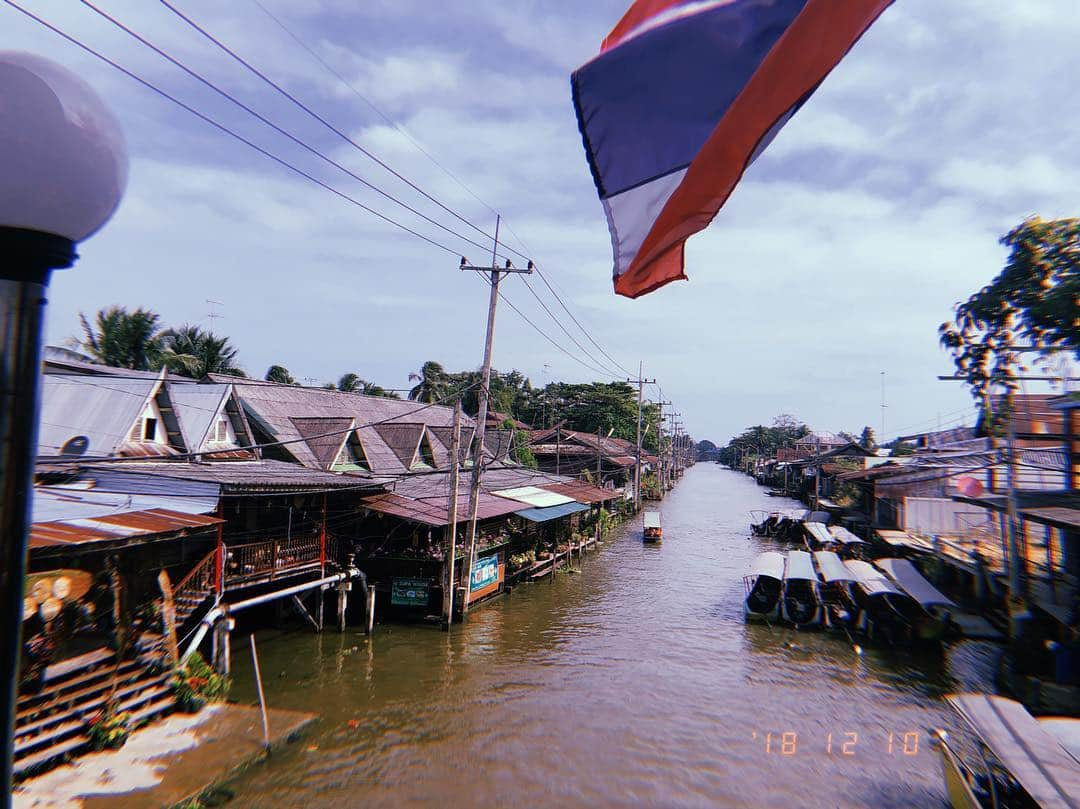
{"type": "Point", "coordinates": [63, 168]}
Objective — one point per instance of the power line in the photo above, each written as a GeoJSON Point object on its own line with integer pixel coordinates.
{"type": "Point", "coordinates": [367, 153]}
{"type": "Point", "coordinates": [231, 133]}
{"type": "Point", "coordinates": [311, 52]}
{"type": "Point", "coordinates": [280, 130]}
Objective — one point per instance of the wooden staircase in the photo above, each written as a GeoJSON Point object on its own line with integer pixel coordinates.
{"type": "Point", "coordinates": [192, 591]}
{"type": "Point", "coordinates": [54, 723]}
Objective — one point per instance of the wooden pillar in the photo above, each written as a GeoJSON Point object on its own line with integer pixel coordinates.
{"type": "Point", "coordinates": [219, 554]}
{"type": "Point", "coordinates": [370, 627]}
{"type": "Point", "coordinates": [320, 594]}
{"type": "Point", "coordinates": [322, 548]}
{"type": "Point", "coordinates": [343, 602]}
{"type": "Point", "coordinates": [221, 658]}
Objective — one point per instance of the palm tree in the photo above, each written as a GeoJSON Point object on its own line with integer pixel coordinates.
{"type": "Point", "coordinates": [279, 374]}
{"type": "Point", "coordinates": [123, 339]}
{"type": "Point", "coordinates": [431, 383]}
{"type": "Point", "coordinates": [351, 383]}
{"type": "Point", "coordinates": [190, 351]}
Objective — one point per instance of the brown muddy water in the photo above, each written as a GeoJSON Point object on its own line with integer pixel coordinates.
{"type": "Point", "coordinates": [635, 681]}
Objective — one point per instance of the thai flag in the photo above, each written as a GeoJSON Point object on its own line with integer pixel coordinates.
{"type": "Point", "coordinates": [684, 95]}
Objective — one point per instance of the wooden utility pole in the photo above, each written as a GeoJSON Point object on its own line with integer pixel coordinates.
{"type": "Point", "coordinates": [493, 273]}
{"type": "Point", "coordinates": [660, 445]}
{"type": "Point", "coordinates": [451, 525]}
{"type": "Point", "coordinates": [641, 382]}
{"type": "Point", "coordinates": [558, 447]}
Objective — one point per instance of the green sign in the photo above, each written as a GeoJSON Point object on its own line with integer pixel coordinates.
{"type": "Point", "coordinates": [410, 592]}
{"type": "Point", "coordinates": [484, 572]}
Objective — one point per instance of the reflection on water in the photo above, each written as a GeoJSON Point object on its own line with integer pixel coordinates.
{"type": "Point", "coordinates": [635, 681]}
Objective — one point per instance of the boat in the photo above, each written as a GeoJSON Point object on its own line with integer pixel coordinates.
{"type": "Point", "coordinates": [847, 544]}
{"type": "Point", "coordinates": [1021, 762]}
{"type": "Point", "coordinates": [937, 606]}
{"type": "Point", "coordinates": [837, 604]}
{"type": "Point", "coordinates": [801, 602]}
{"type": "Point", "coordinates": [817, 536]}
{"type": "Point", "coordinates": [884, 609]}
{"type": "Point", "coordinates": [651, 523]}
{"type": "Point", "coordinates": [763, 584]}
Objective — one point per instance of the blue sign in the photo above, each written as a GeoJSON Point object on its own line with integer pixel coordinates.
{"type": "Point", "coordinates": [484, 572]}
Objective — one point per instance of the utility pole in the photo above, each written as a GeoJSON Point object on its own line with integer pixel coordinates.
{"type": "Point", "coordinates": [664, 471]}
{"type": "Point", "coordinates": [451, 527]}
{"type": "Point", "coordinates": [493, 273]}
{"type": "Point", "coordinates": [558, 447]}
{"type": "Point", "coordinates": [641, 382]}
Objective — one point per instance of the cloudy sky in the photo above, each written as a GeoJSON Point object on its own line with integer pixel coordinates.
{"type": "Point", "coordinates": [875, 210]}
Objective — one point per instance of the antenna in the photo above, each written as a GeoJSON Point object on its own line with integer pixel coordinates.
{"type": "Point", "coordinates": [213, 314]}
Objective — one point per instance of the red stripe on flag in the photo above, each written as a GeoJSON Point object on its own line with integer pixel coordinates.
{"type": "Point", "coordinates": [637, 15]}
{"type": "Point", "coordinates": [806, 53]}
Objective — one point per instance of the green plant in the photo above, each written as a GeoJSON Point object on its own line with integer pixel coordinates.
{"type": "Point", "coordinates": [109, 729]}
{"type": "Point", "coordinates": [195, 684]}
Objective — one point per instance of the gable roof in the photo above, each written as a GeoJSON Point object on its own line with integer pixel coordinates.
{"type": "Point", "coordinates": [197, 407]}
{"type": "Point", "coordinates": [403, 439]}
{"type": "Point", "coordinates": [314, 431]}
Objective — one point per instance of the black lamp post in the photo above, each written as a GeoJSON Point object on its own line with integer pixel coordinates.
{"type": "Point", "coordinates": [63, 168]}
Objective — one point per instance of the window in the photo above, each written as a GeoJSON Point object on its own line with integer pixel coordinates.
{"type": "Point", "coordinates": [149, 429]}
{"type": "Point", "coordinates": [221, 431]}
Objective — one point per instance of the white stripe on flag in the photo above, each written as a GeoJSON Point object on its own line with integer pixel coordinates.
{"type": "Point", "coordinates": [632, 213]}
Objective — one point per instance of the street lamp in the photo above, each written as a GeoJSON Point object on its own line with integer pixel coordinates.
{"type": "Point", "coordinates": [63, 168]}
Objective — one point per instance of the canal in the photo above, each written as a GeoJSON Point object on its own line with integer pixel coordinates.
{"type": "Point", "coordinates": [634, 681]}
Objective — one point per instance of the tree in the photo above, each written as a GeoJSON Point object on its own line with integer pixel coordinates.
{"type": "Point", "coordinates": [190, 351]}
{"type": "Point", "coordinates": [431, 383]}
{"type": "Point", "coordinates": [1031, 304]}
{"type": "Point", "coordinates": [867, 440]}
{"type": "Point", "coordinates": [123, 339]}
{"type": "Point", "coordinates": [279, 374]}
{"type": "Point", "coordinates": [350, 383]}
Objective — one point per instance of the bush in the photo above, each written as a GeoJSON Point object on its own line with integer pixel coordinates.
{"type": "Point", "coordinates": [195, 684]}
{"type": "Point", "coordinates": [109, 729]}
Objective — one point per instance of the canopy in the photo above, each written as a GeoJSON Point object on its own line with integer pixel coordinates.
{"type": "Point", "coordinates": [819, 532]}
{"type": "Point", "coordinates": [1035, 758]}
{"type": "Point", "coordinates": [534, 496]}
{"type": "Point", "coordinates": [832, 568]}
{"type": "Point", "coordinates": [651, 519]}
{"type": "Point", "coordinates": [872, 580]}
{"type": "Point", "coordinates": [551, 512]}
{"type": "Point", "coordinates": [769, 563]}
{"type": "Point", "coordinates": [908, 577]}
{"type": "Point", "coordinates": [800, 566]}
{"type": "Point", "coordinates": [822, 517]}
{"type": "Point", "coordinates": [841, 534]}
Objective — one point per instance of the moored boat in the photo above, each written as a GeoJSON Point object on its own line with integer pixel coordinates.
{"type": "Point", "coordinates": [838, 606]}
{"type": "Point", "coordinates": [652, 531]}
{"type": "Point", "coordinates": [845, 543]}
{"type": "Point", "coordinates": [938, 607]}
{"type": "Point", "coordinates": [1021, 763]}
{"type": "Point", "coordinates": [763, 585]}
{"type": "Point", "coordinates": [801, 602]}
{"type": "Point", "coordinates": [884, 609]}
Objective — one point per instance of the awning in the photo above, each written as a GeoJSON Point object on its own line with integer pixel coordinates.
{"type": "Point", "coordinates": [534, 496]}
{"type": "Point", "coordinates": [551, 512]}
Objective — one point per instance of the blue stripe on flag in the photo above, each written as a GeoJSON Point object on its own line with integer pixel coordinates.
{"type": "Point", "coordinates": [647, 106]}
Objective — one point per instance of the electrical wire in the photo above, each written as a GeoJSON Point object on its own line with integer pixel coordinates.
{"type": "Point", "coordinates": [281, 90]}
{"type": "Point", "coordinates": [280, 130]}
{"type": "Point", "coordinates": [226, 130]}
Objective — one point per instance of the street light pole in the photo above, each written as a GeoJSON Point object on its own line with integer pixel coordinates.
{"type": "Point", "coordinates": [63, 168]}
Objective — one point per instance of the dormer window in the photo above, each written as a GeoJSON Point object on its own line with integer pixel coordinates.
{"type": "Point", "coordinates": [220, 432]}
{"type": "Point", "coordinates": [149, 429]}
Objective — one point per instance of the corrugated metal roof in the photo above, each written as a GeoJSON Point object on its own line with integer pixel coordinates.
{"type": "Point", "coordinates": [583, 492]}
{"type": "Point", "coordinates": [403, 439]}
{"type": "Point", "coordinates": [534, 496]}
{"type": "Point", "coordinates": [232, 477]}
{"type": "Point", "coordinates": [435, 509]}
{"type": "Point", "coordinates": [551, 512]}
{"type": "Point", "coordinates": [76, 516]}
{"type": "Point", "coordinates": [103, 409]}
{"type": "Point", "coordinates": [196, 406]}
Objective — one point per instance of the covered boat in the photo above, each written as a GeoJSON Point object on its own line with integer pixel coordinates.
{"type": "Point", "coordinates": [650, 522]}
{"type": "Point", "coordinates": [1020, 763]}
{"type": "Point", "coordinates": [763, 584]}
{"type": "Point", "coordinates": [838, 606]}
{"type": "Point", "coordinates": [846, 543]}
{"type": "Point", "coordinates": [937, 605]}
{"type": "Point", "coordinates": [884, 609]}
{"type": "Point", "coordinates": [817, 535]}
{"type": "Point", "coordinates": [801, 602]}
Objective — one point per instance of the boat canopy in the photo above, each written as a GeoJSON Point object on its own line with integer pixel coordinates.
{"type": "Point", "coordinates": [769, 563]}
{"type": "Point", "coordinates": [832, 568]}
{"type": "Point", "coordinates": [651, 519]}
{"type": "Point", "coordinates": [819, 531]}
{"type": "Point", "coordinates": [908, 577]}
{"type": "Point", "coordinates": [822, 517]}
{"type": "Point", "coordinates": [841, 534]}
{"type": "Point", "coordinates": [1034, 757]}
{"type": "Point", "coordinates": [800, 566]}
{"type": "Point", "coordinates": [872, 580]}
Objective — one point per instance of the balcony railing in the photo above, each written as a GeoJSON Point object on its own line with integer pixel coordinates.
{"type": "Point", "coordinates": [276, 558]}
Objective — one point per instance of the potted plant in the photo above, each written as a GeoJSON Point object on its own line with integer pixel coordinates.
{"type": "Point", "coordinates": [109, 729]}
{"type": "Point", "coordinates": [196, 683]}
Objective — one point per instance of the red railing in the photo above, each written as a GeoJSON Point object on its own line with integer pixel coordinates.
{"type": "Point", "coordinates": [277, 557]}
